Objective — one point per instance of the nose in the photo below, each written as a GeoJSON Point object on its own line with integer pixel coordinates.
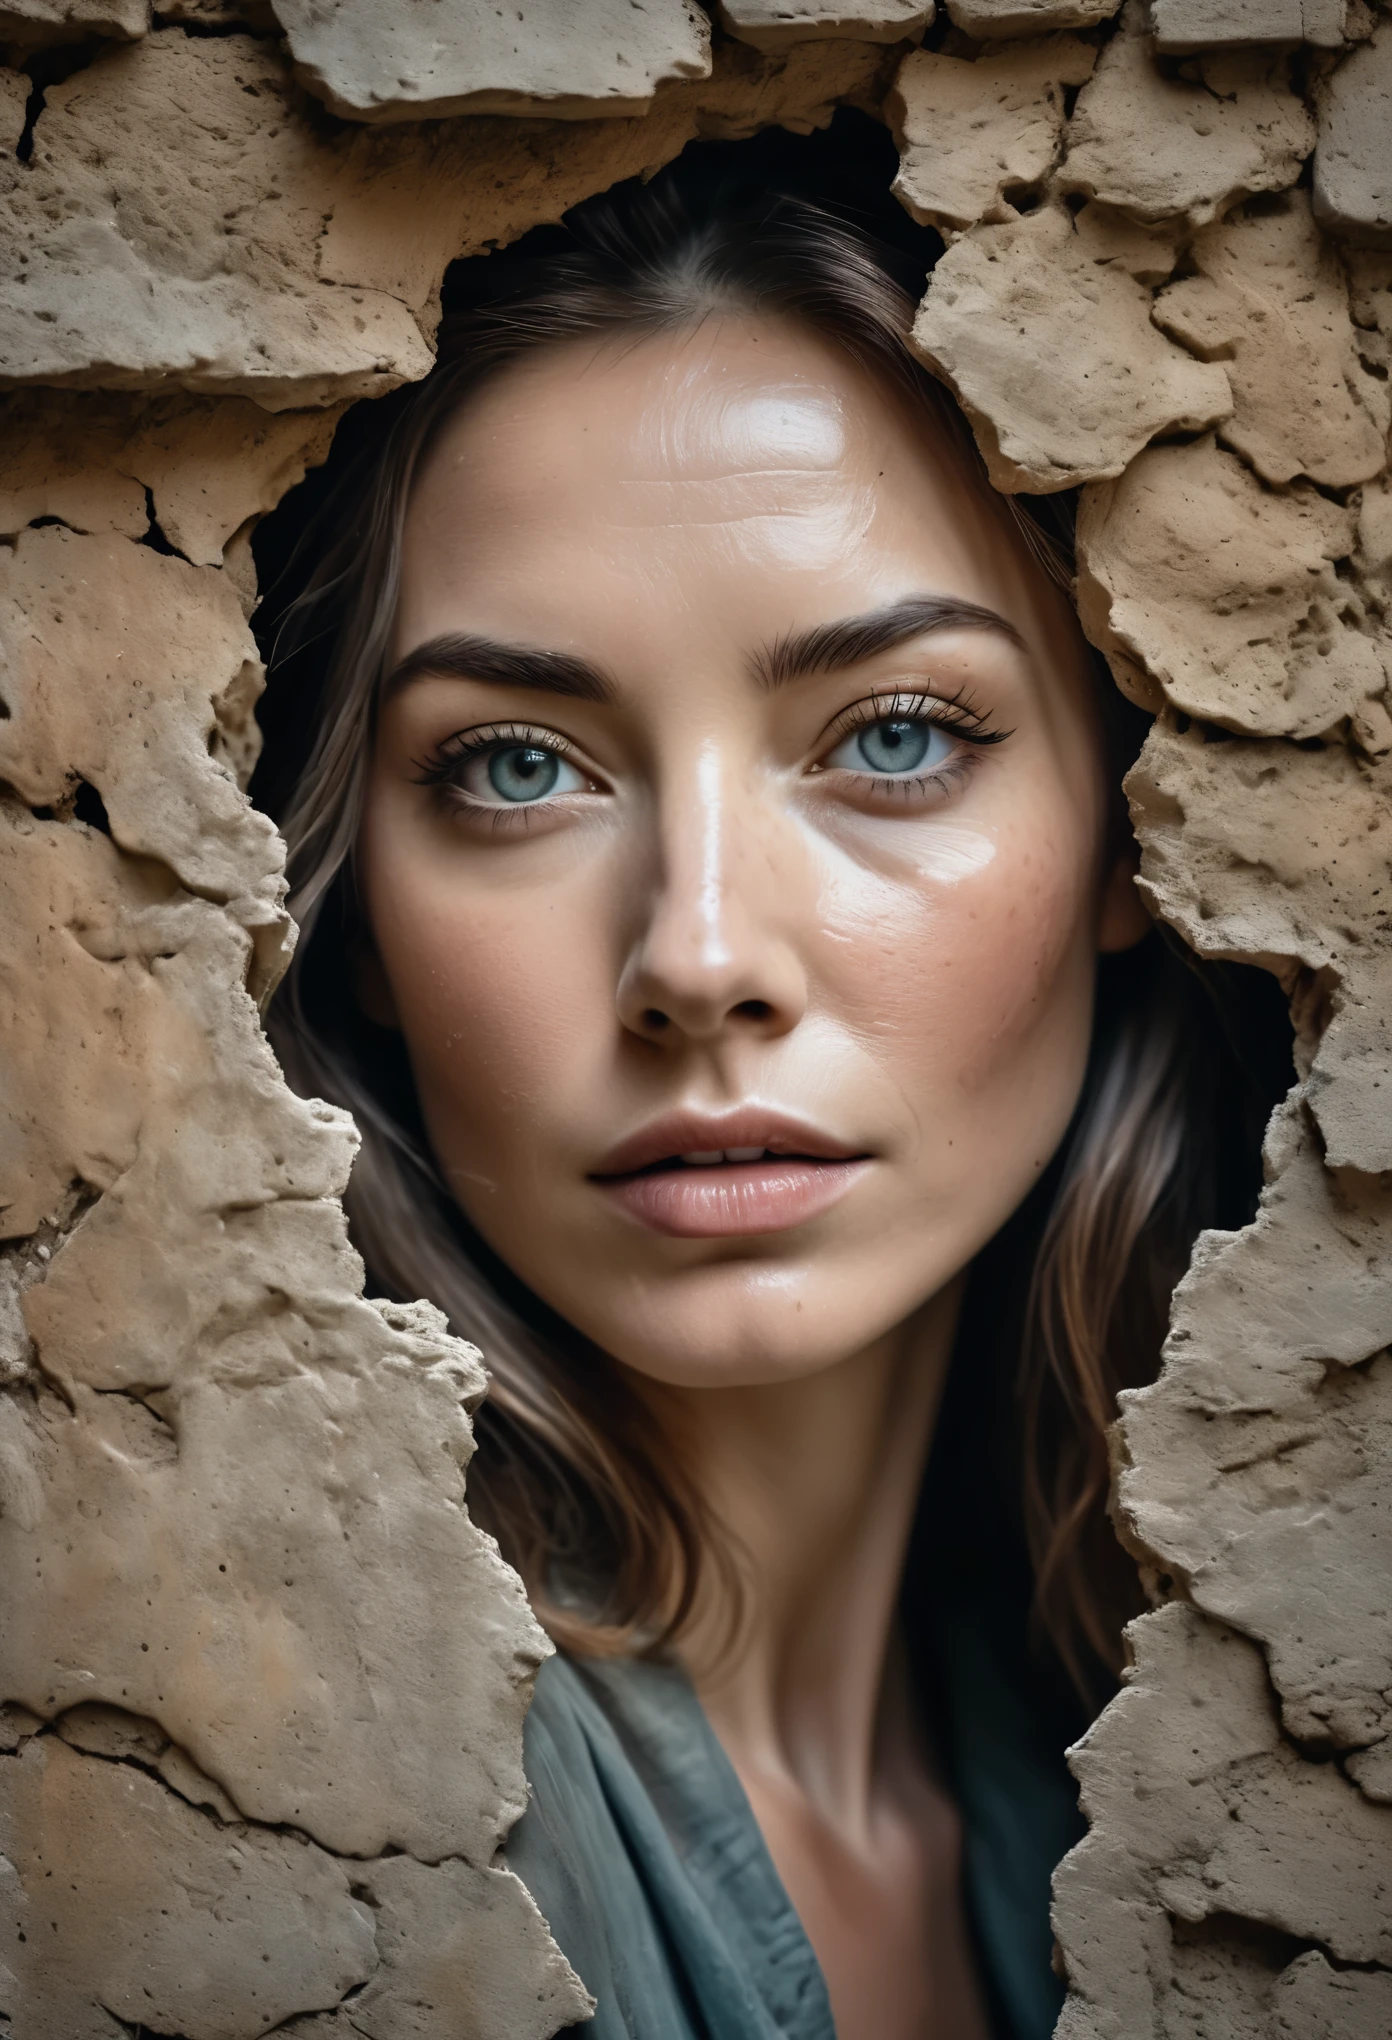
{"type": "Point", "coordinates": [713, 957]}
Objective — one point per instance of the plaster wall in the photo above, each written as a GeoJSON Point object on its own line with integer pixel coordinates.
{"type": "Point", "coordinates": [263, 1681]}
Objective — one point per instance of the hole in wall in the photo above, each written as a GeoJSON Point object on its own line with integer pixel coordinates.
{"type": "Point", "coordinates": [153, 536]}
{"type": "Point", "coordinates": [855, 162]}
{"type": "Point", "coordinates": [46, 68]}
{"type": "Point", "coordinates": [89, 807]}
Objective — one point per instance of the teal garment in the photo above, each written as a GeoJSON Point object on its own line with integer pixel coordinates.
{"type": "Point", "coordinates": [643, 1854]}
{"type": "Point", "coordinates": [640, 1848]}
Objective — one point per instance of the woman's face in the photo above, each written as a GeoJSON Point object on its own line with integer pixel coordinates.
{"type": "Point", "coordinates": [733, 850]}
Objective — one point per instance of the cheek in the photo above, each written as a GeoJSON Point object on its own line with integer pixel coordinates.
{"type": "Point", "coordinates": [968, 968]}
{"type": "Point", "coordinates": [501, 1000]}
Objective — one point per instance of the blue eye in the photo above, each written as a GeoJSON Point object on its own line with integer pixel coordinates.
{"type": "Point", "coordinates": [892, 745]}
{"type": "Point", "coordinates": [522, 772]}
{"type": "Point", "coordinates": [518, 775]}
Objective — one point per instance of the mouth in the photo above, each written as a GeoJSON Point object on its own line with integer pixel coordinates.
{"type": "Point", "coordinates": [741, 1175]}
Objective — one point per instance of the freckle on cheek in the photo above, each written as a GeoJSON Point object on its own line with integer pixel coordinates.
{"type": "Point", "coordinates": [965, 980]}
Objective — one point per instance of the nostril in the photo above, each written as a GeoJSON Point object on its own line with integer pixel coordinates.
{"type": "Point", "coordinates": [753, 1009]}
{"type": "Point", "coordinates": [655, 1019]}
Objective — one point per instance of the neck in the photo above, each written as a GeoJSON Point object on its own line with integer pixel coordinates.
{"type": "Point", "coordinates": [816, 1481]}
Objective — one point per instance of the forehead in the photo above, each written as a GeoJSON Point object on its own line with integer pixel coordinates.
{"type": "Point", "coordinates": [692, 404]}
{"type": "Point", "coordinates": [740, 461]}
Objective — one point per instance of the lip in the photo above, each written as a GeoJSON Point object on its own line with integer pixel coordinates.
{"type": "Point", "coordinates": [689, 1133]}
{"type": "Point", "coordinates": [802, 1173]}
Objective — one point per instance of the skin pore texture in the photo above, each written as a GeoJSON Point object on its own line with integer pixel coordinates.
{"type": "Point", "coordinates": [721, 874]}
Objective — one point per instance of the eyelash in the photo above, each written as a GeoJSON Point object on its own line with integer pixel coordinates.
{"type": "Point", "coordinates": [954, 713]}
{"type": "Point", "coordinates": [445, 760]}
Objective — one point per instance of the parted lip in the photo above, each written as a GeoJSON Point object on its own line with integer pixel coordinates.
{"type": "Point", "coordinates": [686, 1133]}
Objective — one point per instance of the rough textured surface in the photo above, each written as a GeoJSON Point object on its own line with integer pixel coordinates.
{"type": "Point", "coordinates": [29, 22]}
{"type": "Point", "coordinates": [1222, 24]}
{"type": "Point", "coordinates": [291, 264]}
{"type": "Point", "coordinates": [231, 1915]}
{"type": "Point", "coordinates": [1235, 1826]}
{"type": "Point", "coordinates": [1165, 148]}
{"type": "Point", "coordinates": [990, 18]}
{"type": "Point", "coordinates": [1353, 164]}
{"type": "Point", "coordinates": [1043, 329]}
{"type": "Point", "coordinates": [1243, 607]}
{"type": "Point", "coordinates": [171, 680]}
{"type": "Point", "coordinates": [1269, 299]}
{"type": "Point", "coordinates": [209, 467]}
{"type": "Point", "coordinates": [14, 104]}
{"type": "Point", "coordinates": [425, 59]}
{"type": "Point", "coordinates": [203, 272]}
{"type": "Point", "coordinates": [777, 24]}
{"type": "Point", "coordinates": [971, 133]}
{"type": "Point", "coordinates": [1312, 1438]}
{"type": "Point", "coordinates": [262, 1683]}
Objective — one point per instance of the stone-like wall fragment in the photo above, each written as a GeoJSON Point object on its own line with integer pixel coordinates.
{"type": "Point", "coordinates": [453, 1942]}
{"type": "Point", "coordinates": [1370, 302]}
{"type": "Point", "coordinates": [1219, 24]}
{"type": "Point", "coordinates": [968, 133]}
{"type": "Point", "coordinates": [778, 24]}
{"type": "Point", "coordinates": [261, 254]}
{"type": "Point", "coordinates": [1254, 1466]}
{"type": "Point", "coordinates": [1043, 329]}
{"type": "Point", "coordinates": [1261, 850]}
{"type": "Point", "coordinates": [1353, 164]}
{"type": "Point", "coordinates": [87, 460]}
{"type": "Point", "coordinates": [14, 105]}
{"type": "Point", "coordinates": [1167, 148]}
{"type": "Point", "coordinates": [201, 270]}
{"type": "Point", "coordinates": [71, 477]}
{"type": "Point", "coordinates": [125, 668]}
{"type": "Point", "coordinates": [1201, 1809]}
{"type": "Point", "coordinates": [465, 188]}
{"type": "Point", "coordinates": [988, 19]}
{"type": "Point", "coordinates": [30, 22]}
{"type": "Point", "coordinates": [1260, 1460]}
{"type": "Point", "coordinates": [1269, 299]}
{"type": "Point", "coordinates": [75, 1118]}
{"type": "Point", "coordinates": [1313, 2001]}
{"type": "Point", "coordinates": [427, 59]}
{"type": "Point", "coordinates": [1232, 599]}
{"type": "Point", "coordinates": [142, 1911]}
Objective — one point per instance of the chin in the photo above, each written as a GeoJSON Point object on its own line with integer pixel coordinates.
{"type": "Point", "coordinates": [729, 1327]}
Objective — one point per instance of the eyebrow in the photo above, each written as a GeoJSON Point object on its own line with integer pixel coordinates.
{"type": "Point", "coordinates": [460, 656]}
{"type": "Point", "coordinates": [830, 647]}
{"type": "Point", "coordinates": [826, 648]}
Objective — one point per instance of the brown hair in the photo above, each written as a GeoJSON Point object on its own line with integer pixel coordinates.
{"type": "Point", "coordinates": [584, 1498]}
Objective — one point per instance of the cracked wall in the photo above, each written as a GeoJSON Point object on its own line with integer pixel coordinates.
{"type": "Point", "coordinates": [263, 1682]}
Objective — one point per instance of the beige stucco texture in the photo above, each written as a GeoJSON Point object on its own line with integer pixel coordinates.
{"type": "Point", "coordinates": [263, 1683]}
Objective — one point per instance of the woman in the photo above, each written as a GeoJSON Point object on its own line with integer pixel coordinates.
{"type": "Point", "coordinates": [719, 913]}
